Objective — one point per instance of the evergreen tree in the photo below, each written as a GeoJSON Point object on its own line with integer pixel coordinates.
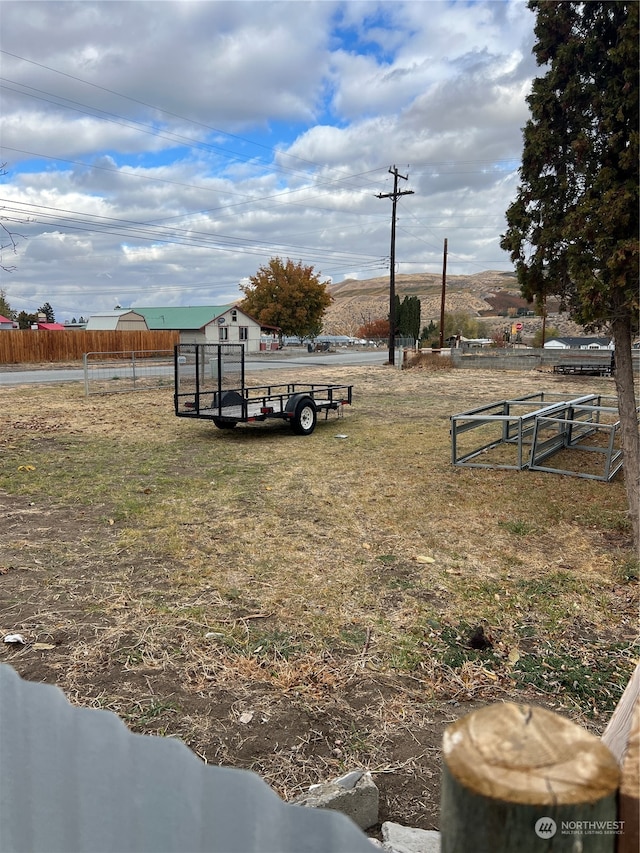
{"type": "Point", "coordinates": [47, 310]}
{"type": "Point", "coordinates": [25, 320]}
{"type": "Point", "coordinates": [408, 317]}
{"type": "Point", "coordinates": [429, 332]}
{"type": "Point", "coordinates": [573, 228]}
{"type": "Point", "coordinates": [5, 309]}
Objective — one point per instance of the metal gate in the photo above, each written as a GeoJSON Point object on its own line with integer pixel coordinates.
{"type": "Point", "coordinates": [127, 370]}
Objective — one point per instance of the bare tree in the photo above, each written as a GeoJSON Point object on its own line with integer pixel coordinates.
{"type": "Point", "coordinates": [8, 238]}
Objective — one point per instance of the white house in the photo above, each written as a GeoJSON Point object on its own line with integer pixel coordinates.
{"type": "Point", "coordinates": [580, 343]}
{"type": "Point", "coordinates": [211, 324]}
{"type": "Point", "coordinates": [6, 323]}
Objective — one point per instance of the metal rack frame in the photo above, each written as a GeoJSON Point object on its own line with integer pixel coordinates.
{"type": "Point", "coordinates": [551, 423]}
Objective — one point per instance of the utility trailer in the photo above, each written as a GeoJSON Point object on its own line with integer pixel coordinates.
{"type": "Point", "coordinates": [210, 384]}
{"type": "Point", "coordinates": [578, 369]}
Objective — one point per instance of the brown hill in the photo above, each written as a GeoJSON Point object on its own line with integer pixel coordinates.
{"type": "Point", "coordinates": [485, 295]}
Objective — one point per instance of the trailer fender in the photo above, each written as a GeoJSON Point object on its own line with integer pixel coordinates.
{"type": "Point", "coordinates": [292, 402]}
{"type": "Point", "coordinates": [303, 413]}
{"type": "Point", "coordinates": [220, 401]}
{"type": "Point", "coordinates": [227, 398]}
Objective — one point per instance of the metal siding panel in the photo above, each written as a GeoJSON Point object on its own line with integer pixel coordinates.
{"type": "Point", "coordinates": [76, 779]}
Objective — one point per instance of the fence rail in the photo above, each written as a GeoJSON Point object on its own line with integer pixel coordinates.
{"type": "Point", "coordinates": [132, 370]}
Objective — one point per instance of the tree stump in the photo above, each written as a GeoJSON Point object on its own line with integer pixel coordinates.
{"type": "Point", "coordinates": [520, 778]}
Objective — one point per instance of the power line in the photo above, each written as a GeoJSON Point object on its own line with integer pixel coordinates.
{"type": "Point", "coordinates": [285, 194]}
{"type": "Point", "coordinates": [139, 231]}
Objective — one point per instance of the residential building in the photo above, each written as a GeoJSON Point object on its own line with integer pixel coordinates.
{"type": "Point", "coordinates": [117, 321]}
{"type": "Point", "coordinates": [578, 343]}
{"type": "Point", "coordinates": [210, 324]}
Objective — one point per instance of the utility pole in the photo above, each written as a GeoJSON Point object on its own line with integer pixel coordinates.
{"type": "Point", "coordinates": [394, 196]}
{"type": "Point", "coordinates": [444, 287]}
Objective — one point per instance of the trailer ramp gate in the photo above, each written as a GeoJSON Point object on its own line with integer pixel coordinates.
{"type": "Point", "coordinates": [210, 384]}
{"type": "Point", "coordinates": [529, 432]}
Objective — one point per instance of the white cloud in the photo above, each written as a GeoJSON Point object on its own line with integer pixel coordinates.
{"type": "Point", "coordinates": [183, 144]}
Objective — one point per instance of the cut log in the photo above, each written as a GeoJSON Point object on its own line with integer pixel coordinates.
{"type": "Point", "coordinates": [518, 777]}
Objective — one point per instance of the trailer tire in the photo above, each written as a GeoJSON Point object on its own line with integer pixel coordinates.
{"type": "Point", "coordinates": [305, 417]}
{"type": "Point", "coordinates": [224, 424]}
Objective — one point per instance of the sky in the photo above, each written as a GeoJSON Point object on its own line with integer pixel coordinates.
{"type": "Point", "coordinates": [159, 152]}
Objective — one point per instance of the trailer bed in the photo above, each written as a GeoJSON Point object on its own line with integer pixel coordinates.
{"type": "Point", "coordinates": [581, 369]}
{"type": "Point", "coordinates": [210, 384]}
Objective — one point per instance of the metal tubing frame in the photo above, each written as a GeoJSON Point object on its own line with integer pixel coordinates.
{"type": "Point", "coordinates": [575, 419]}
{"type": "Point", "coordinates": [524, 427]}
{"type": "Point", "coordinates": [613, 458]}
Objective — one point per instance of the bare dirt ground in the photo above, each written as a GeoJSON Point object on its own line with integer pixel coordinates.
{"type": "Point", "coordinates": [301, 606]}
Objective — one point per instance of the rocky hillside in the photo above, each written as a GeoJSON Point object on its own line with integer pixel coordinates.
{"type": "Point", "coordinates": [483, 295]}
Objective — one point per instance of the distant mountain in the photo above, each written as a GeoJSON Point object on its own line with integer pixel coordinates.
{"type": "Point", "coordinates": [485, 295]}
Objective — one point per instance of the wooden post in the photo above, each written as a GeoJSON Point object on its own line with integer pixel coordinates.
{"type": "Point", "coordinates": [629, 796]}
{"type": "Point", "coordinates": [520, 778]}
{"type": "Point", "coordinates": [622, 736]}
{"type": "Point", "coordinates": [616, 734]}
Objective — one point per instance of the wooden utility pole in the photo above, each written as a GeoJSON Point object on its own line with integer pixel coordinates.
{"type": "Point", "coordinates": [544, 319]}
{"type": "Point", "coordinates": [444, 288]}
{"type": "Point", "coordinates": [394, 196]}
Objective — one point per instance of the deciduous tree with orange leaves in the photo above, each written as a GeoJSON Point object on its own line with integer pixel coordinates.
{"type": "Point", "coordinates": [375, 330]}
{"type": "Point", "coordinates": [289, 296]}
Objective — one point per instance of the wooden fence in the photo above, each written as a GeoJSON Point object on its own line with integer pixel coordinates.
{"type": "Point", "coordinates": [36, 347]}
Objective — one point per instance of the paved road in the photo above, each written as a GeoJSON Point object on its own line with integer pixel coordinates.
{"type": "Point", "coordinates": [319, 360]}
{"type": "Point", "coordinates": [275, 362]}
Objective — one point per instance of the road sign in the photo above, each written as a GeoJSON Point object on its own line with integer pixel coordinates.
{"type": "Point", "coordinates": [519, 327]}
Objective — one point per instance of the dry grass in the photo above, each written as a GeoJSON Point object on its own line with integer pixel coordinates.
{"type": "Point", "coordinates": [185, 576]}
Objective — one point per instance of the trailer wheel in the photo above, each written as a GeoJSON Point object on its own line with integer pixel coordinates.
{"type": "Point", "coordinates": [224, 424]}
{"type": "Point", "coordinates": [305, 417]}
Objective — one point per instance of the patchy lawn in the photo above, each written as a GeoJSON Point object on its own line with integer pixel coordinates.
{"type": "Point", "coordinates": [299, 606]}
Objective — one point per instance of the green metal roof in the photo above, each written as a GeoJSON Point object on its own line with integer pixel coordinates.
{"type": "Point", "coordinates": [182, 318]}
